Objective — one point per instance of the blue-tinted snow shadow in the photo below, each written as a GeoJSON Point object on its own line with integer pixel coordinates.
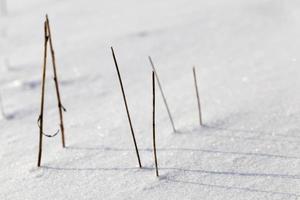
{"type": "Point", "coordinates": [227, 124]}
{"type": "Point", "coordinates": [36, 83]}
{"type": "Point", "coordinates": [210, 130]}
{"type": "Point", "coordinates": [233, 173]}
{"type": "Point", "coordinates": [16, 114]}
{"type": "Point", "coordinates": [226, 173]}
{"type": "Point", "coordinates": [232, 188]}
{"type": "Point", "coordinates": [10, 116]}
{"type": "Point", "coordinates": [165, 177]}
{"type": "Point", "coordinates": [104, 149]}
{"type": "Point", "coordinates": [93, 169]}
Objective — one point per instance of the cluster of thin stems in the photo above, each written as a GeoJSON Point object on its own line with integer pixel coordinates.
{"type": "Point", "coordinates": [155, 78]}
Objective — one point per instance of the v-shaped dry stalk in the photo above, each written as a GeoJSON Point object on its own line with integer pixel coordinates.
{"type": "Point", "coordinates": [61, 108]}
{"type": "Point", "coordinates": [47, 38]}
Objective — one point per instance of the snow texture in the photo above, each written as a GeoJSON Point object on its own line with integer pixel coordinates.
{"type": "Point", "coordinates": [246, 54]}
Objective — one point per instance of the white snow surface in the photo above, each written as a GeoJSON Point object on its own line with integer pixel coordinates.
{"type": "Point", "coordinates": [246, 53]}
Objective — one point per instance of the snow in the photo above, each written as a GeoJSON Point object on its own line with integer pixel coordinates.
{"type": "Point", "coordinates": [246, 55]}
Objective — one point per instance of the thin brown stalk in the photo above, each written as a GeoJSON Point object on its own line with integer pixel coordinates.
{"type": "Point", "coordinates": [41, 117]}
{"type": "Point", "coordinates": [198, 98]}
{"type": "Point", "coordinates": [60, 106]}
{"type": "Point", "coordinates": [126, 106]}
{"type": "Point", "coordinates": [153, 123]}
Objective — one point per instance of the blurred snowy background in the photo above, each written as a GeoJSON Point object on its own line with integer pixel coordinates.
{"type": "Point", "coordinates": [247, 57]}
